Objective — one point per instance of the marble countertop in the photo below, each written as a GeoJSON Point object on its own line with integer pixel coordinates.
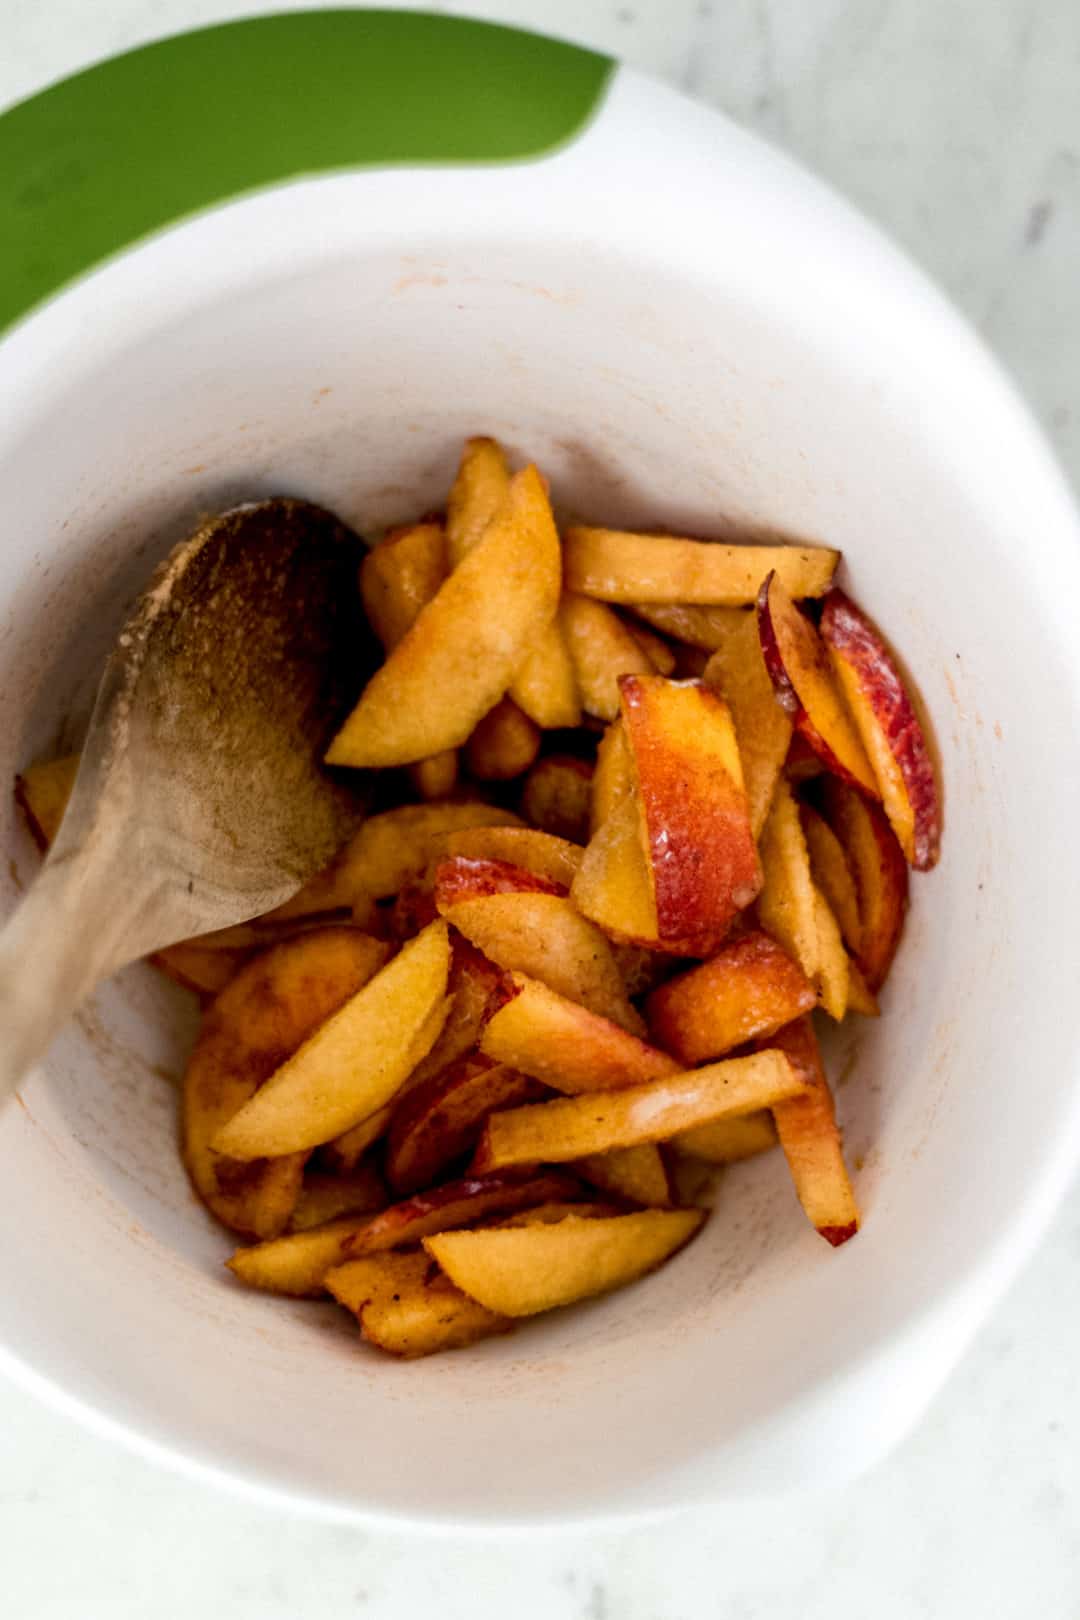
{"type": "Point", "coordinates": [957, 126]}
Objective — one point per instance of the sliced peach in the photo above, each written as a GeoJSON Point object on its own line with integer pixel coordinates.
{"type": "Point", "coordinates": [613, 889]}
{"type": "Point", "coordinates": [800, 670]}
{"type": "Point", "coordinates": [659, 652]}
{"type": "Point", "coordinates": [725, 1141]}
{"type": "Point", "coordinates": [518, 1271]}
{"type": "Point", "coordinates": [613, 886]}
{"type": "Point", "coordinates": [548, 1214]}
{"type": "Point", "coordinates": [424, 1319]}
{"type": "Point", "coordinates": [564, 1045]}
{"type": "Point", "coordinates": [555, 797]}
{"type": "Point", "coordinates": [634, 568]}
{"type": "Point", "coordinates": [889, 726]}
{"type": "Point", "coordinates": [637, 1174]}
{"type": "Point", "coordinates": [748, 989]}
{"type": "Point", "coordinates": [793, 910]}
{"type": "Point", "coordinates": [388, 850]}
{"type": "Point", "coordinates": [546, 687]}
{"type": "Point", "coordinates": [570, 1128]}
{"type": "Point", "coordinates": [466, 645]}
{"type": "Point", "coordinates": [377, 1277]}
{"type": "Point", "coordinates": [441, 1120]}
{"type": "Point", "coordinates": [461, 878]}
{"type": "Point", "coordinates": [613, 778]}
{"type": "Point", "coordinates": [787, 905]}
{"type": "Point", "coordinates": [326, 1198]}
{"type": "Point", "coordinates": [834, 964]}
{"type": "Point", "coordinates": [810, 1138]}
{"type": "Point", "coordinates": [545, 936]}
{"type": "Point", "coordinates": [400, 576]}
{"type": "Point", "coordinates": [456, 1203]}
{"type": "Point", "coordinates": [762, 728]}
{"type": "Point", "coordinates": [538, 852]}
{"type": "Point", "coordinates": [881, 877]}
{"type": "Point", "coordinates": [260, 1018]}
{"type": "Point", "coordinates": [298, 1263]}
{"type": "Point", "coordinates": [503, 744]}
{"type": "Point", "coordinates": [354, 1062]}
{"type": "Point", "coordinates": [413, 909]}
{"type": "Point", "coordinates": [861, 998]}
{"type": "Point", "coordinates": [702, 628]}
{"type": "Point", "coordinates": [295, 1265]}
{"type": "Point", "coordinates": [832, 874]}
{"type": "Point", "coordinates": [699, 845]}
{"type": "Point", "coordinates": [602, 649]}
{"type": "Point", "coordinates": [479, 491]}
{"type": "Point", "coordinates": [472, 987]}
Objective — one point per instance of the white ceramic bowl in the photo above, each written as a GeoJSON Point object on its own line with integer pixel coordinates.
{"type": "Point", "coordinates": [681, 328]}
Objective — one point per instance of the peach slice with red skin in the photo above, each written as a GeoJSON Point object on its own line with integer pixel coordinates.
{"type": "Point", "coordinates": [441, 1120]}
{"type": "Point", "coordinates": [472, 987]}
{"type": "Point", "coordinates": [698, 839]}
{"type": "Point", "coordinates": [881, 875]}
{"type": "Point", "coordinates": [802, 676]}
{"type": "Point", "coordinates": [747, 990]}
{"type": "Point", "coordinates": [298, 1263]}
{"type": "Point", "coordinates": [538, 852]}
{"type": "Point", "coordinates": [465, 877]}
{"type": "Point", "coordinates": [889, 727]}
{"type": "Point", "coordinates": [544, 935]}
{"type": "Point", "coordinates": [456, 1203]}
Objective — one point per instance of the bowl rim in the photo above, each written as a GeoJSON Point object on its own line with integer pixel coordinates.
{"type": "Point", "coordinates": [290, 80]}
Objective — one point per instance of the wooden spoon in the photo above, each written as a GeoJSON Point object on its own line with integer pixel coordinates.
{"type": "Point", "coordinates": [200, 799]}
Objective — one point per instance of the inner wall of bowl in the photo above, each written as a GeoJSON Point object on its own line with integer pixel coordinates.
{"type": "Point", "coordinates": [648, 402]}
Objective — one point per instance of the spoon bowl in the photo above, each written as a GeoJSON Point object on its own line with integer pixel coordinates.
{"type": "Point", "coordinates": [200, 799]}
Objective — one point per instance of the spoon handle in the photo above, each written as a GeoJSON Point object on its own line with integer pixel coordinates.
{"type": "Point", "coordinates": [79, 922]}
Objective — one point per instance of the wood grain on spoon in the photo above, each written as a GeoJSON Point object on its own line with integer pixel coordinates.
{"type": "Point", "coordinates": [200, 800]}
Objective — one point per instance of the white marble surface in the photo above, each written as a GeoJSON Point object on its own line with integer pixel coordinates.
{"type": "Point", "coordinates": [956, 123]}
